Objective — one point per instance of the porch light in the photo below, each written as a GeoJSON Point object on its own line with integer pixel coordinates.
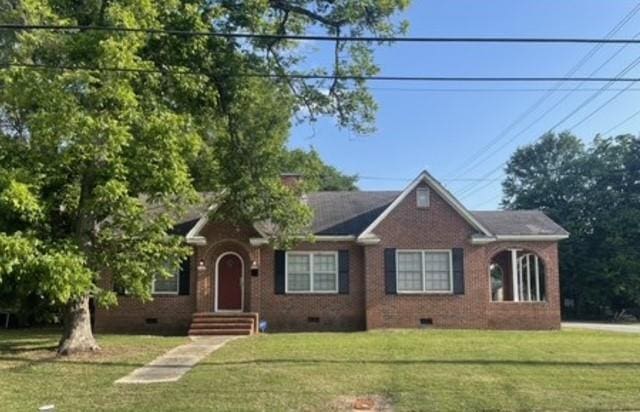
{"type": "Point", "coordinates": [254, 265]}
{"type": "Point", "coordinates": [201, 265]}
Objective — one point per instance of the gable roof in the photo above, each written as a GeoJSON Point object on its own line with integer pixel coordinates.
{"type": "Point", "coordinates": [439, 189]}
{"type": "Point", "coordinates": [357, 213]}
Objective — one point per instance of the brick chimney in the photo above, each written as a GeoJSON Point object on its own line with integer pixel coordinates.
{"type": "Point", "coordinates": [291, 180]}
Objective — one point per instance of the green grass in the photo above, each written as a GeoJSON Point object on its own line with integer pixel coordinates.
{"type": "Point", "coordinates": [415, 370]}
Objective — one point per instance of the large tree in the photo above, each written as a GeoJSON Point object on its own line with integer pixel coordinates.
{"type": "Point", "coordinates": [594, 192]}
{"type": "Point", "coordinates": [317, 175]}
{"type": "Point", "coordinates": [98, 127]}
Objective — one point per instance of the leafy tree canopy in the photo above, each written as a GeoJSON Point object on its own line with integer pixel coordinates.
{"type": "Point", "coordinates": [594, 192]}
{"type": "Point", "coordinates": [81, 148]}
{"type": "Point", "coordinates": [317, 175]}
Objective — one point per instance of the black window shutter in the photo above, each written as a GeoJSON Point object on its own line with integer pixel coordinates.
{"type": "Point", "coordinates": [457, 257]}
{"type": "Point", "coordinates": [390, 271]}
{"type": "Point", "coordinates": [343, 272]}
{"type": "Point", "coordinates": [184, 277]}
{"type": "Point", "coordinates": [279, 262]}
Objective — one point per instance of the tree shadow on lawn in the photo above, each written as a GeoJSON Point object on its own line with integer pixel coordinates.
{"type": "Point", "coordinates": [26, 345]}
{"type": "Point", "coordinates": [461, 362]}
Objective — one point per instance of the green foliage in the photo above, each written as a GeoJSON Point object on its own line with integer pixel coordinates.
{"type": "Point", "coordinates": [593, 192]}
{"type": "Point", "coordinates": [95, 165]}
{"type": "Point", "coordinates": [317, 175]}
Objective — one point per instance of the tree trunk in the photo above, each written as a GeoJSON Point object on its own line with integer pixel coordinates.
{"type": "Point", "coordinates": [77, 335]}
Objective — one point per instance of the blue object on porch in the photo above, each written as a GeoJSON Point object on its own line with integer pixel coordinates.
{"type": "Point", "coordinates": [263, 326]}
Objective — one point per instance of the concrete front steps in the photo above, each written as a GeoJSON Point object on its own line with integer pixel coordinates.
{"type": "Point", "coordinates": [223, 323]}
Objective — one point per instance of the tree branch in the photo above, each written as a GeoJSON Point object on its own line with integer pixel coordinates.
{"type": "Point", "coordinates": [285, 6]}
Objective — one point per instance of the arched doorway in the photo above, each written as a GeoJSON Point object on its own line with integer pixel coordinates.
{"type": "Point", "coordinates": [517, 275]}
{"type": "Point", "coordinates": [229, 283]}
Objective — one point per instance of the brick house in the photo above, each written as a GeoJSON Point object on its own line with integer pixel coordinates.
{"type": "Point", "coordinates": [409, 259]}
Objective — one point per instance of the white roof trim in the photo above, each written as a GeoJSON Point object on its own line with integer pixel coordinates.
{"type": "Point", "coordinates": [259, 241]}
{"type": "Point", "coordinates": [476, 240]}
{"type": "Point", "coordinates": [368, 240]}
{"type": "Point", "coordinates": [197, 240]}
{"type": "Point", "coordinates": [193, 237]}
{"type": "Point", "coordinates": [439, 189]}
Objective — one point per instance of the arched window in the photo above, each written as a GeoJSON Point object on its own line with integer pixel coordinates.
{"type": "Point", "coordinates": [517, 275]}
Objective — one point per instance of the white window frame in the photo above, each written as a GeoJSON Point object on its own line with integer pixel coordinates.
{"type": "Point", "coordinates": [424, 290]}
{"type": "Point", "coordinates": [311, 273]}
{"type": "Point", "coordinates": [423, 190]}
{"type": "Point", "coordinates": [153, 286]}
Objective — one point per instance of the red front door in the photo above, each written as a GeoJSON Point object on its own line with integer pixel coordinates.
{"type": "Point", "coordinates": [229, 283]}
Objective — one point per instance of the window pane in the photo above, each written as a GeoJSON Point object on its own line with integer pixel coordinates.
{"type": "Point", "coordinates": [437, 271]}
{"type": "Point", "coordinates": [409, 261]}
{"type": "Point", "coordinates": [166, 285]}
{"type": "Point", "coordinates": [324, 263]}
{"type": "Point", "coordinates": [298, 263]}
{"type": "Point", "coordinates": [324, 282]}
{"type": "Point", "coordinates": [298, 272]}
{"type": "Point", "coordinates": [423, 197]}
{"type": "Point", "coordinates": [409, 271]}
{"type": "Point", "coordinates": [410, 281]}
{"type": "Point", "coordinates": [299, 282]}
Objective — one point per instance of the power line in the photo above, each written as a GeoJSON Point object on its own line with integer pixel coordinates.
{"type": "Point", "coordinates": [627, 119]}
{"type": "Point", "coordinates": [490, 90]}
{"type": "Point", "coordinates": [591, 98]}
{"type": "Point", "coordinates": [327, 77]}
{"type": "Point", "coordinates": [606, 103]}
{"type": "Point", "coordinates": [268, 36]}
{"type": "Point", "coordinates": [404, 179]}
{"type": "Point", "coordinates": [469, 189]}
{"type": "Point", "coordinates": [473, 159]}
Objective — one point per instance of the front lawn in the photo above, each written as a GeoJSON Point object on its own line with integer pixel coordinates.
{"type": "Point", "coordinates": [414, 370]}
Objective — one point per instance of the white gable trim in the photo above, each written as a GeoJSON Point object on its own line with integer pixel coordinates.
{"type": "Point", "coordinates": [440, 190]}
{"type": "Point", "coordinates": [193, 237]}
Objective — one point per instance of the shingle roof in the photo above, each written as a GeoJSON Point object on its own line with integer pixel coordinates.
{"type": "Point", "coordinates": [347, 213]}
{"type": "Point", "coordinates": [518, 222]}
{"type": "Point", "coordinates": [350, 213]}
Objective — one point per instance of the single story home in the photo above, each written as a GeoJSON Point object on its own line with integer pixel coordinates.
{"type": "Point", "coordinates": [380, 259]}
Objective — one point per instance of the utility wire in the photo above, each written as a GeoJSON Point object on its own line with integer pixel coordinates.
{"type": "Point", "coordinates": [472, 160]}
{"type": "Point", "coordinates": [468, 190]}
{"type": "Point", "coordinates": [325, 77]}
{"type": "Point", "coordinates": [490, 90]}
{"type": "Point", "coordinates": [267, 36]}
{"type": "Point", "coordinates": [606, 103]}
{"type": "Point", "coordinates": [626, 120]}
{"type": "Point", "coordinates": [403, 179]}
{"type": "Point", "coordinates": [551, 109]}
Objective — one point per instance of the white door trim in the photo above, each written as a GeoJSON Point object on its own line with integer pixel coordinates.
{"type": "Point", "coordinates": [241, 283]}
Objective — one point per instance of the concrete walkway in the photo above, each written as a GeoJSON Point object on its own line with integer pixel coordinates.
{"type": "Point", "coordinates": [172, 365]}
{"type": "Point", "coordinates": [608, 327]}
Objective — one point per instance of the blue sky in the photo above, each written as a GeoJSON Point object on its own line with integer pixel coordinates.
{"type": "Point", "coordinates": [444, 131]}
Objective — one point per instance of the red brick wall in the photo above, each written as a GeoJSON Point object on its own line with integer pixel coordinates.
{"type": "Point", "coordinates": [367, 306]}
{"type": "Point", "coordinates": [172, 312]}
{"type": "Point", "coordinates": [222, 238]}
{"type": "Point", "coordinates": [529, 315]}
{"type": "Point", "coordinates": [441, 227]}
{"type": "Point", "coordinates": [335, 311]}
